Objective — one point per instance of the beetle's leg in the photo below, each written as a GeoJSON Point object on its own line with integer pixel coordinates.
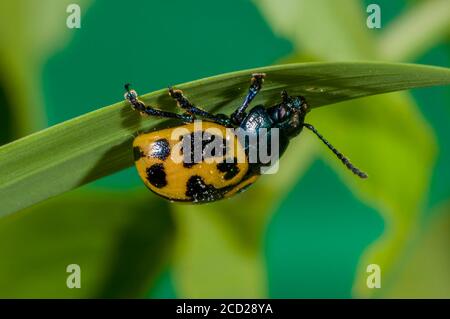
{"type": "Point", "coordinates": [148, 110]}
{"type": "Point", "coordinates": [255, 86]}
{"type": "Point", "coordinates": [285, 97]}
{"type": "Point", "coordinates": [139, 106]}
{"type": "Point", "coordinates": [191, 109]}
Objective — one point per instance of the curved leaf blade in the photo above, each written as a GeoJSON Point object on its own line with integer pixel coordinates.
{"type": "Point", "coordinates": [97, 144]}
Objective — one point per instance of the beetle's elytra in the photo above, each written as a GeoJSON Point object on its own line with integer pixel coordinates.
{"type": "Point", "coordinates": [167, 163]}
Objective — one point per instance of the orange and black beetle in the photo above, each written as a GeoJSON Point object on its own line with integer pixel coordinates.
{"type": "Point", "coordinates": [203, 181]}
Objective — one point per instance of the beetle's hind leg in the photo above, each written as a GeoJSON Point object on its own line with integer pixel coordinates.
{"type": "Point", "coordinates": [191, 109]}
{"type": "Point", "coordinates": [139, 106]}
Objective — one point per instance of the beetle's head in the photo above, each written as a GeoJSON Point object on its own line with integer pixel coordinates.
{"type": "Point", "coordinates": [289, 115]}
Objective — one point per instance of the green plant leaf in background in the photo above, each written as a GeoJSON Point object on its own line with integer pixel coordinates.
{"type": "Point", "coordinates": [39, 29]}
{"type": "Point", "coordinates": [429, 21]}
{"type": "Point", "coordinates": [389, 125]}
{"type": "Point", "coordinates": [327, 30]}
{"type": "Point", "coordinates": [426, 269]}
{"type": "Point", "coordinates": [97, 144]}
{"type": "Point", "coordinates": [120, 251]}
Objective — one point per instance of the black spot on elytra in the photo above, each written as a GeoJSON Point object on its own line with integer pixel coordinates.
{"type": "Point", "coordinates": [160, 149]}
{"type": "Point", "coordinates": [230, 169]}
{"type": "Point", "coordinates": [137, 153]}
{"type": "Point", "coordinates": [188, 158]}
{"type": "Point", "coordinates": [199, 191]}
{"type": "Point", "coordinates": [195, 139]}
{"type": "Point", "coordinates": [156, 175]}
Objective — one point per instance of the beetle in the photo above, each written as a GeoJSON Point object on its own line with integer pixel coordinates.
{"type": "Point", "coordinates": [205, 181]}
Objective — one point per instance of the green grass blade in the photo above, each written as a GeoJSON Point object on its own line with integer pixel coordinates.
{"type": "Point", "coordinates": [343, 37]}
{"type": "Point", "coordinates": [429, 21]}
{"type": "Point", "coordinates": [97, 144]}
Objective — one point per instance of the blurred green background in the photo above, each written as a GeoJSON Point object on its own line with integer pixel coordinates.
{"type": "Point", "coordinates": [310, 231]}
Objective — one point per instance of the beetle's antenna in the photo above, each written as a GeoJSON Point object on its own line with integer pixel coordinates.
{"type": "Point", "coordinates": [339, 155]}
{"type": "Point", "coordinates": [127, 87]}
